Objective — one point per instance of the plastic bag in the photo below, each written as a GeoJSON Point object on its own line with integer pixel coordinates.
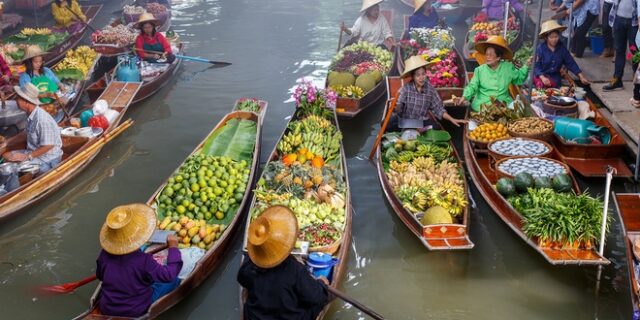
{"type": "Point", "coordinates": [410, 134]}
{"type": "Point", "coordinates": [190, 257]}
{"type": "Point", "coordinates": [100, 107]}
{"type": "Point", "coordinates": [111, 115]}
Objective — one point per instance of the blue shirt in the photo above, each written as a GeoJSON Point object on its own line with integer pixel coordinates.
{"type": "Point", "coordinates": [548, 63]}
{"type": "Point", "coordinates": [419, 20]}
{"type": "Point", "coordinates": [25, 78]}
{"type": "Point", "coordinates": [580, 14]}
{"type": "Point", "coordinates": [614, 13]}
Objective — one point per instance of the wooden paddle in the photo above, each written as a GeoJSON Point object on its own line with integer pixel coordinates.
{"type": "Point", "coordinates": [80, 19]}
{"type": "Point", "coordinates": [354, 303]}
{"type": "Point", "coordinates": [72, 286]}
{"type": "Point", "coordinates": [220, 63]}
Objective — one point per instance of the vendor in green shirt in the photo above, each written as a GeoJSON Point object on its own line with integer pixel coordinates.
{"type": "Point", "coordinates": [493, 77]}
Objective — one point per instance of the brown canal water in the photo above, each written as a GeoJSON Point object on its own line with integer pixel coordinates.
{"type": "Point", "coordinates": [271, 44]}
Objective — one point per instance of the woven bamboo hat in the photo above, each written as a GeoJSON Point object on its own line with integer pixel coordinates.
{"type": "Point", "coordinates": [272, 236]}
{"type": "Point", "coordinates": [33, 51]}
{"type": "Point", "coordinates": [147, 17]}
{"type": "Point", "coordinates": [413, 63]}
{"type": "Point", "coordinates": [417, 5]}
{"type": "Point", "coordinates": [28, 92]}
{"type": "Point", "coordinates": [549, 26]}
{"type": "Point", "coordinates": [127, 228]}
{"type": "Point", "coordinates": [496, 42]}
{"type": "Point", "coordinates": [366, 4]}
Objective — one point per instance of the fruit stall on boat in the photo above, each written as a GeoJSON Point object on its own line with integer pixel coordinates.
{"type": "Point", "coordinates": [114, 39]}
{"type": "Point", "coordinates": [131, 13]}
{"type": "Point", "coordinates": [482, 28]}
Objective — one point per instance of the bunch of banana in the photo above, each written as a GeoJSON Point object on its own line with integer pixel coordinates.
{"type": "Point", "coordinates": [289, 142]}
{"type": "Point", "coordinates": [81, 59]}
{"type": "Point", "coordinates": [36, 31]}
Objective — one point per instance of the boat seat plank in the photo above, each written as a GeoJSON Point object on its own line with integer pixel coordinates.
{"type": "Point", "coordinates": [598, 167]}
{"type": "Point", "coordinates": [629, 207]}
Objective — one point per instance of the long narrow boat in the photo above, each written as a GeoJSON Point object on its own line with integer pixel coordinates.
{"type": "Point", "coordinates": [348, 107]}
{"type": "Point", "coordinates": [149, 87]}
{"type": "Point", "coordinates": [78, 153]}
{"type": "Point", "coordinates": [445, 93]}
{"type": "Point", "coordinates": [342, 252]}
{"type": "Point", "coordinates": [214, 255]}
{"type": "Point", "coordinates": [434, 237]}
{"type": "Point", "coordinates": [514, 45]}
{"type": "Point", "coordinates": [58, 52]}
{"type": "Point", "coordinates": [628, 208]}
{"type": "Point", "coordinates": [485, 178]}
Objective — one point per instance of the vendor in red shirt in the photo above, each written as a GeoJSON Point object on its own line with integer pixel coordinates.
{"type": "Point", "coordinates": [150, 44]}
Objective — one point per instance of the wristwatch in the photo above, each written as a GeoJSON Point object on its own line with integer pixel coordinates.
{"type": "Point", "coordinates": [29, 157]}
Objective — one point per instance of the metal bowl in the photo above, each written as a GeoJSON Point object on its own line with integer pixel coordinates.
{"type": "Point", "coordinates": [561, 101]}
{"type": "Point", "coordinates": [95, 132]}
{"type": "Point", "coordinates": [8, 168]}
{"type": "Point", "coordinates": [29, 167]}
{"type": "Point", "coordinates": [84, 132]}
{"type": "Point", "coordinates": [68, 131]}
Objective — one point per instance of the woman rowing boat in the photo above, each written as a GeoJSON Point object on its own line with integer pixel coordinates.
{"type": "Point", "coordinates": [370, 26]}
{"type": "Point", "coordinates": [493, 78]}
{"type": "Point", "coordinates": [278, 286]}
{"type": "Point", "coordinates": [150, 44]}
{"type": "Point", "coordinates": [131, 279]}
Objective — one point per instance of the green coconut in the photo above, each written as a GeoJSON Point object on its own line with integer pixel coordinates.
{"type": "Point", "coordinates": [436, 215]}
{"type": "Point", "coordinates": [341, 79]}
{"type": "Point", "coordinates": [366, 82]}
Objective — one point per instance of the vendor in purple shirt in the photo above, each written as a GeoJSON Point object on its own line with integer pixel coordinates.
{"type": "Point", "coordinates": [495, 8]}
{"type": "Point", "coordinates": [131, 279]}
{"type": "Point", "coordinates": [552, 56]}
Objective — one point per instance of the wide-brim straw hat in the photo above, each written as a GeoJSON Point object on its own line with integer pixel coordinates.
{"type": "Point", "coordinates": [550, 26]}
{"type": "Point", "coordinates": [497, 42]}
{"type": "Point", "coordinates": [366, 4]}
{"type": "Point", "coordinates": [33, 51]}
{"type": "Point", "coordinates": [413, 63]}
{"type": "Point", "coordinates": [28, 92]}
{"type": "Point", "coordinates": [417, 5]}
{"type": "Point", "coordinates": [272, 236]}
{"type": "Point", "coordinates": [127, 228]}
{"type": "Point", "coordinates": [147, 17]}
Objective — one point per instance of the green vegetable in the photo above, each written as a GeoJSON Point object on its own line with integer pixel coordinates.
{"type": "Point", "coordinates": [523, 181]}
{"type": "Point", "coordinates": [562, 183]}
{"type": "Point", "coordinates": [543, 182]}
{"type": "Point", "coordinates": [73, 74]}
{"type": "Point", "coordinates": [506, 187]}
{"type": "Point", "coordinates": [236, 140]}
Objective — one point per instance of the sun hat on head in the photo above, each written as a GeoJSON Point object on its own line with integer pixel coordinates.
{"type": "Point", "coordinates": [127, 228]}
{"type": "Point", "coordinates": [147, 17]}
{"type": "Point", "coordinates": [272, 236]}
{"type": "Point", "coordinates": [413, 63]}
{"type": "Point", "coordinates": [28, 92]}
{"type": "Point", "coordinates": [550, 26]}
{"type": "Point", "coordinates": [366, 4]}
{"type": "Point", "coordinates": [417, 4]}
{"type": "Point", "coordinates": [33, 51]}
{"type": "Point", "coordinates": [496, 42]}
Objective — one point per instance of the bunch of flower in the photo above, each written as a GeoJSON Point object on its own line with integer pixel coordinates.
{"type": "Point", "coordinates": [306, 94]}
{"type": "Point", "coordinates": [433, 38]}
{"type": "Point", "coordinates": [480, 36]}
{"type": "Point", "coordinates": [408, 48]}
{"type": "Point", "coordinates": [445, 72]}
{"type": "Point", "coordinates": [365, 67]}
{"type": "Point", "coordinates": [434, 55]}
{"type": "Point", "coordinates": [349, 91]}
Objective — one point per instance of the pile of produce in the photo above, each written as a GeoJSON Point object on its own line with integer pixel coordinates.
{"type": "Point", "coordinates": [522, 55]}
{"type": "Point", "coordinates": [424, 174]}
{"type": "Point", "coordinates": [519, 147]}
{"type": "Point", "coordinates": [248, 104]}
{"type": "Point", "coordinates": [482, 29]}
{"type": "Point", "coordinates": [488, 132]}
{"type": "Point", "coordinates": [42, 37]}
{"type": "Point", "coordinates": [362, 65]}
{"type": "Point", "coordinates": [530, 125]}
{"type": "Point", "coordinates": [156, 9]}
{"type": "Point", "coordinates": [524, 181]}
{"type": "Point", "coordinates": [307, 175]}
{"type": "Point", "coordinates": [210, 185]}
{"type": "Point", "coordinates": [76, 64]}
{"type": "Point", "coordinates": [119, 35]}
{"type": "Point", "coordinates": [197, 233]}
{"type": "Point", "coordinates": [36, 31]}
{"type": "Point", "coordinates": [537, 167]}
{"type": "Point", "coordinates": [127, 9]}
{"type": "Point", "coordinates": [498, 111]}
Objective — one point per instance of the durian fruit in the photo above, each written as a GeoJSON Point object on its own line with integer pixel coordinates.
{"type": "Point", "coordinates": [436, 215]}
{"type": "Point", "coordinates": [341, 79]}
{"type": "Point", "coordinates": [366, 82]}
{"type": "Point", "coordinates": [376, 74]}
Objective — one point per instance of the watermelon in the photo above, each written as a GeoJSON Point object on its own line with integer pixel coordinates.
{"type": "Point", "coordinates": [523, 181]}
{"type": "Point", "coordinates": [562, 183]}
{"type": "Point", "coordinates": [542, 182]}
{"type": "Point", "coordinates": [506, 187]}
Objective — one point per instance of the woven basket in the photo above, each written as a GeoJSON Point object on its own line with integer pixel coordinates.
{"type": "Point", "coordinates": [544, 136]}
{"type": "Point", "coordinates": [501, 174]}
{"type": "Point", "coordinates": [496, 156]}
{"type": "Point", "coordinates": [329, 249]}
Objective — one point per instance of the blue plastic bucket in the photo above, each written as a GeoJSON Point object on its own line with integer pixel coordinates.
{"type": "Point", "coordinates": [84, 118]}
{"type": "Point", "coordinates": [597, 44]}
{"type": "Point", "coordinates": [320, 264]}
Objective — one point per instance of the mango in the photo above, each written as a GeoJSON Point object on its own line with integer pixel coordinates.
{"type": "Point", "coordinates": [203, 231]}
{"type": "Point", "coordinates": [176, 227]}
{"type": "Point", "coordinates": [182, 233]}
{"type": "Point", "coordinates": [193, 231]}
{"type": "Point", "coordinates": [196, 239]}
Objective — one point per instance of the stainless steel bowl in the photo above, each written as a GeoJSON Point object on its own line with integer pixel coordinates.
{"type": "Point", "coordinates": [29, 167]}
{"type": "Point", "coordinates": [8, 168]}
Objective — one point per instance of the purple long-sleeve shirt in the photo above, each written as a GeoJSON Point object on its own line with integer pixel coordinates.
{"type": "Point", "coordinates": [127, 279]}
{"type": "Point", "coordinates": [495, 8]}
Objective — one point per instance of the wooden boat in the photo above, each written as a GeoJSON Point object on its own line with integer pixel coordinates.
{"type": "Point", "coordinates": [434, 237]}
{"type": "Point", "coordinates": [108, 49]}
{"type": "Point", "coordinates": [514, 45]}
{"type": "Point", "coordinates": [446, 94]}
{"type": "Point", "coordinates": [628, 208]}
{"type": "Point", "coordinates": [149, 87]}
{"type": "Point", "coordinates": [164, 20]}
{"type": "Point", "coordinates": [213, 257]}
{"type": "Point", "coordinates": [78, 153]}
{"type": "Point", "coordinates": [484, 178]}
{"type": "Point", "coordinates": [58, 52]}
{"type": "Point", "coordinates": [452, 14]}
{"type": "Point", "coordinates": [342, 254]}
{"type": "Point", "coordinates": [348, 107]}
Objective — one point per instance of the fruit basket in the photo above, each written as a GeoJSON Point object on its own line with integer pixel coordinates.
{"type": "Point", "coordinates": [528, 123]}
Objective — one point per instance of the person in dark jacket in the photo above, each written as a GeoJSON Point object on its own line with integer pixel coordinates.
{"type": "Point", "coordinates": [552, 56]}
{"type": "Point", "coordinates": [277, 285]}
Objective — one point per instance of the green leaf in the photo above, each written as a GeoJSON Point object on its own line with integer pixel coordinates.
{"type": "Point", "coordinates": [73, 74]}
{"type": "Point", "coordinates": [236, 140]}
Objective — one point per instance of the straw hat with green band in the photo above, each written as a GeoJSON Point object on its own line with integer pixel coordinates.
{"type": "Point", "coordinates": [147, 17]}
{"type": "Point", "coordinates": [127, 228]}
{"type": "Point", "coordinates": [272, 236]}
{"type": "Point", "coordinates": [550, 26]}
{"type": "Point", "coordinates": [413, 63]}
{"type": "Point", "coordinates": [366, 4]}
{"type": "Point", "coordinates": [496, 42]}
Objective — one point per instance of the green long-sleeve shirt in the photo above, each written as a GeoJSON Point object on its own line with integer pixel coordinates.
{"type": "Point", "coordinates": [487, 83]}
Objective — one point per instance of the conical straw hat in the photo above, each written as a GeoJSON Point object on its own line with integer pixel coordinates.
{"type": "Point", "coordinates": [147, 17]}
{"type": "Point", "coordinates": [550, 25]}
{"type": "Point", "coordinates": [127, 228]}
{"type": "Point", "coordinates": [417, 4]}
{"type": "Point", "coordinates": [366, 4]}
{"type": "Point", "coordinates": [413, 63]}
{"type": "Point", "coordinates": [33, 51]}
{"type": "Point", "coordinates": [495, 41]}
{"type": "Point", "coordinates": [272, 236]}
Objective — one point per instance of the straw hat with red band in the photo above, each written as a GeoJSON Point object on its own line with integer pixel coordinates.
{"type": "Point", "coordinates": [496, 42]}
{"type": "Point", "coordinates": [272, 236]}
{"type": "Point", "coordinates": [366, 4]}
{"type": "Point", "coordinates": [127, 228]}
